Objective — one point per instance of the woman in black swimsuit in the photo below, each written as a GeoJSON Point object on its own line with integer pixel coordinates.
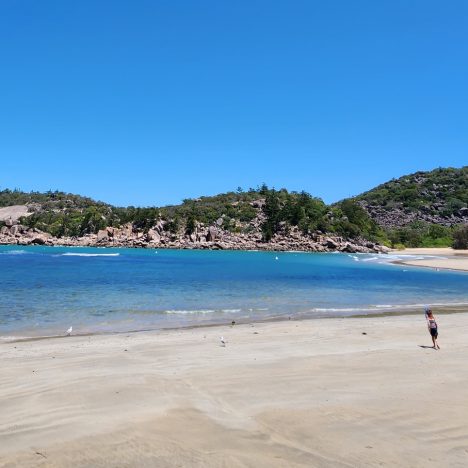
{"type": "Point", "coordinates": [432, 327]}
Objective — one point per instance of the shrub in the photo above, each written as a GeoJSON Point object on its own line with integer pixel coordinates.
{"type": "Point", "coordinates": [460, 237]}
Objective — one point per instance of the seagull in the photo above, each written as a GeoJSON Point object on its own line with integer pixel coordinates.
{"type": "Point", "coordinates": [69, 331]}
{"type": "Point", "coordinates": [223, 342]}
{"type": "Point", "coordinates": [276, 258]}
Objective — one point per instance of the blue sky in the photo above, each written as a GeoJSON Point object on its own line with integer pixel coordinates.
{"type": "Point", "coordinates": [149, 102]}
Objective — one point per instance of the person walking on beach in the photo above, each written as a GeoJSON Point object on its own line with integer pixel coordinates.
{"type": "Point", "coordinates": [432, 327]}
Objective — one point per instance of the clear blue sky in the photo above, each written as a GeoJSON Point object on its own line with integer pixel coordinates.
{"type": "Point", "coordinates": [149, 102]}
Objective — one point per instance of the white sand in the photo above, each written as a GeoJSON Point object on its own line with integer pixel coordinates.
{"type": "Point", "coordinates": [449, 259]}
{"type": "Point", "coordinates": [315, 393]}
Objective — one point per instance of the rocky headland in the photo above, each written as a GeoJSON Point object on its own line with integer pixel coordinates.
{"type": "Point", "coordinates": [420, 209]}
{"type": "Point", "coordinates": [204, 237]}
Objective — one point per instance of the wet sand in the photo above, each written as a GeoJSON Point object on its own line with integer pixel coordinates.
{"type": "Point", "coordinates": [325, 393]}
{"type": "Point", "coordinates": [449, 259]}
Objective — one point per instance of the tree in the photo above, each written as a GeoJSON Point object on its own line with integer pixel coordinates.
{"type": "Point", "coordinates": [272, 212]}
{"type": "Point", "coordinates": [92, 222]}
{"type": "Point", "coordinates": [191, 224]}
{"type": "Point", "coordinates": [263, 190]}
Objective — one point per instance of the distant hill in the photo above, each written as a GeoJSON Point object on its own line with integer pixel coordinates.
{"type": "Point", "coordinates": [436, 197]}
{"type": "Point", "coordinates": [60, 213]}
{"type": "Point", "coordinates": [420, 209]}
{"type": "Point", "coordinates": [258, 218]}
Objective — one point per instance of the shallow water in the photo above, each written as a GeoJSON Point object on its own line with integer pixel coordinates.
{"type": "Point", "coordinates": [44, 290]}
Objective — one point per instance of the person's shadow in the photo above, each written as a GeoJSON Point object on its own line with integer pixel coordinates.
{"type": "Point", "coordinates": [426, 347]}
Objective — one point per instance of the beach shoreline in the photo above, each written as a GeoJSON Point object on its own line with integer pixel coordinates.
{"type": "Point", "coordinates": [323, 392]}
{"type": "Point", "coordinates": [441, 258]}
{"type": "Point", "coordinates": [443, 309]}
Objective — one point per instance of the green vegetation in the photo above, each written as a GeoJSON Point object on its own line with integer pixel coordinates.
{"type": "Point", "coordinates": [47, 200]}
{"type": "Point", "coordinates": [425, 209]}
{"type": "Point", "coordinates": [207, 210]}
{"type": "Point", "coordinates": [62, 213]}
{"type": "Point", "coordinates": [460, 237]}
{"type": "Point", "coordinates": [283, 210]}
{"type": "Point", "coordinates": [441, 192]}
{"type": "Point", "coordinates": [420, 234]}
{"type": "Point", "coordinates": [353, 221]}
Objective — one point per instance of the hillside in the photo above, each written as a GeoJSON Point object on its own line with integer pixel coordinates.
{"type": "Point", "coordinates": [421, 209]}
{"type": "Point", "coordinates": [436, 197]}
{"type": "Point", "coordinates": [59, 213]}
{"type": "Point", "coordinates": [260, 218]}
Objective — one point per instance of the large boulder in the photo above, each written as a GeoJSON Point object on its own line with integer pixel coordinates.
{"type": "Point", "coordinates": [212, 234]}
{"type": "Point", "coordinates": [463, 212]}
{"type": "Point", "coordinates": [16, 229]}
{"type": "Point", "coordinates": [153, 236]}
{"type": "Point", "coordinates": [39, 237]}
{"type": "Point", "coordinates": [382, 249]}
{"type": "Point", "coordinates": [160, 226]}
{"type": "Point", "coordinates": [127, 230]}
{"type": "Point", "coordinates": [330, 243]}
{"type": "Point", "coordinates": [38, 240]}
{"type": "Point", "coordinates": [257, 203]}
{"type": "Point", "coordinates": [102, 235]}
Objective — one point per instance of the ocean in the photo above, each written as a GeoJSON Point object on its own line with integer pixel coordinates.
{"type": "Point", "coordinates": [44, 290]}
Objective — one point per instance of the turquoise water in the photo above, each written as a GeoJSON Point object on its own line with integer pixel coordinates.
{"type": "Point", "coordinates": [44, 290]}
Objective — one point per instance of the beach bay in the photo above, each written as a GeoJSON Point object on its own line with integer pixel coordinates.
{"type": "Point", "coordinates": [45, 290]}
{"type": "Point", "coordinates": [233, 234]}
{"type": "Point", "coordinates": [300, 380]}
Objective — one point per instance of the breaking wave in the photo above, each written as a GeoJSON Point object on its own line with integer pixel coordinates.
{"type": "Point", "coordinates": [73, 254]}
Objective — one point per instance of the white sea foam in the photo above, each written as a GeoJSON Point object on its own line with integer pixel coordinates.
{"type": "Point", "coordinates": [202, 311]}
{"type": "Point", "coordinates": [7, 338]}
{"type": "Point", "coordinates": [376, 307]}
{"type": "Point", "coordinates": [73, 254]}
{"type": "Point", "coordinates": [14, 252]}
{"type": "Point", "coordinates": [392, 259]}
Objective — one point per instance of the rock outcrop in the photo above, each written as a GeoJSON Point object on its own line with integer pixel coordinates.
{"type": "Point", "coordinates": [204, 237]}
{"type": "Point", "coordinates": [400, 216]}
{"type": "Point", "coordinates": [435, 197]}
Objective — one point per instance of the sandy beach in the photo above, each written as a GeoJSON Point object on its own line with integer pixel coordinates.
{"type": "Point", "coordinates": [316, 393]}
{"type": "Point", "coordinates": [449, 259]}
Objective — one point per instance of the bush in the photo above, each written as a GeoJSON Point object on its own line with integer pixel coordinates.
{"type": "Point", "coordinates": [460, 237]}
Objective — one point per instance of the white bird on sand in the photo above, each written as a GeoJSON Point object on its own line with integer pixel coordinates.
{"type": "Point", "coordinates": [223, 342]}
{"type": "Point", "coordinates": [69, 331]}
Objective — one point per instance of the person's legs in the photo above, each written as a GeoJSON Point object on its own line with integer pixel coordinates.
{"type": "Point", "coordinates": [435, 341]}
{"type": "Point", "coordinates": [434, 335]}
